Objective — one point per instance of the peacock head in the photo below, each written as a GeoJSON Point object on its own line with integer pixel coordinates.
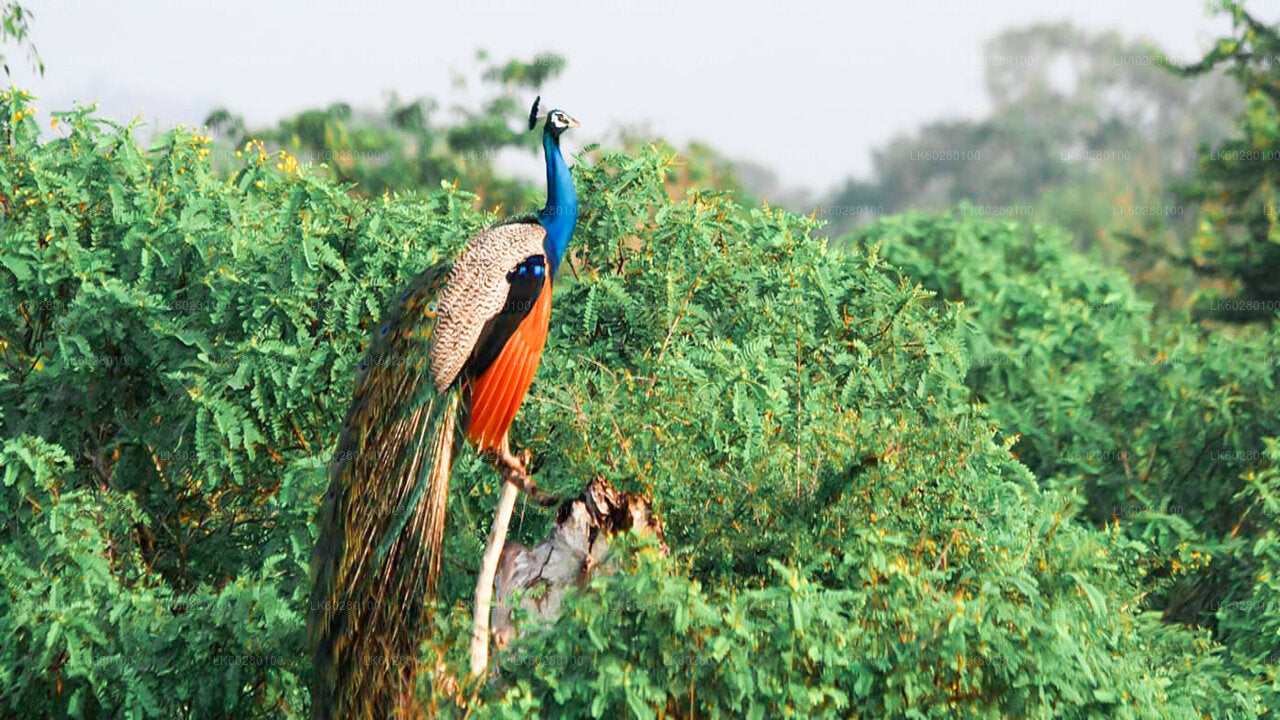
{"type": "Point", "coordinates": [557, 120]}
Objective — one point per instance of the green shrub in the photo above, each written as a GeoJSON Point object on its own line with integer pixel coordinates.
{"type": "Point", "coordinates": [1165, 428]}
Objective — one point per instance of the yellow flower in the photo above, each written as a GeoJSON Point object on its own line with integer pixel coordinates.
{"type": "Point", "coordinates": [288, 163]}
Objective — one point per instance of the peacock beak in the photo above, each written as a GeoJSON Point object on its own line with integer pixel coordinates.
{"type": "Point", "coordinates": [574, 123]}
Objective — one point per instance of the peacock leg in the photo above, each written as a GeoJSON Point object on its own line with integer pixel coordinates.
{"type": "Point", "coordinates": [515, 468]}
{"type": "Point", "coordinates": [516, 463]}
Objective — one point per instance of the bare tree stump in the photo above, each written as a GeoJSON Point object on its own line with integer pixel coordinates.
{"type": "Point", "coordinates": [573, 554]}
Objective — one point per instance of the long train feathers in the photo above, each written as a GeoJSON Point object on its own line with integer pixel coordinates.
{"type": "Point", "coordinates": [382, 519]}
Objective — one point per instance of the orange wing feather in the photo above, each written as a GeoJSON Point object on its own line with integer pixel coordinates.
{"type": "Point", "coordinates": [498, 393]}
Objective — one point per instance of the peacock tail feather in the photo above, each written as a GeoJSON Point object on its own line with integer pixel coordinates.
{"type": "Point", "coordinates": [382, 520]}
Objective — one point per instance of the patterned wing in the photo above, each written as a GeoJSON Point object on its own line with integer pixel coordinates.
{"type": "Point", "coordinates": [477, 291]}
{"type": "Point", "coordinates": [501, 370]}
{"type": "Point", "coordinates": [525, 283]}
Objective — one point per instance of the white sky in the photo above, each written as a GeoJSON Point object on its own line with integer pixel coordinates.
{"type": "Point", "coordinates": [806, 88]}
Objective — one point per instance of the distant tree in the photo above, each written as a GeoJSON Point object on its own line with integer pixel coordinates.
{"type": "Point", "coordinates": [1071, 109]}
{"type": "Point", "coordinates": [1238, 233]}
{"type": "Point", "coordinates": [406, 146]}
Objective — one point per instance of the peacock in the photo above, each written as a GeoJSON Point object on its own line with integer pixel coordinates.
{"type": "Point", "coordinates": [451, 361]}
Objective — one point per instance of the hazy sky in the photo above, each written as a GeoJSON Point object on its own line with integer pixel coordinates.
{"type": "Point", "coordinates": [805, 88]}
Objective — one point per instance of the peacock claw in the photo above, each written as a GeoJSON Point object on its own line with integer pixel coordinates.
{"type": "Point", "coordinates": [512, 464]}
{"type": "Point", "coordinates": [515, 469]}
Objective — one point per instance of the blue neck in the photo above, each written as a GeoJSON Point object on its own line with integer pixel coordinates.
{"type": "Point", "coordinates": [560, 214]}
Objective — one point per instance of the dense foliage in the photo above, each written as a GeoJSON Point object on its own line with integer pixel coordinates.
{"type": "Point", "coordinates": [855, 527]}
{"type": "Point", "coordinates": [1166, 430]}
